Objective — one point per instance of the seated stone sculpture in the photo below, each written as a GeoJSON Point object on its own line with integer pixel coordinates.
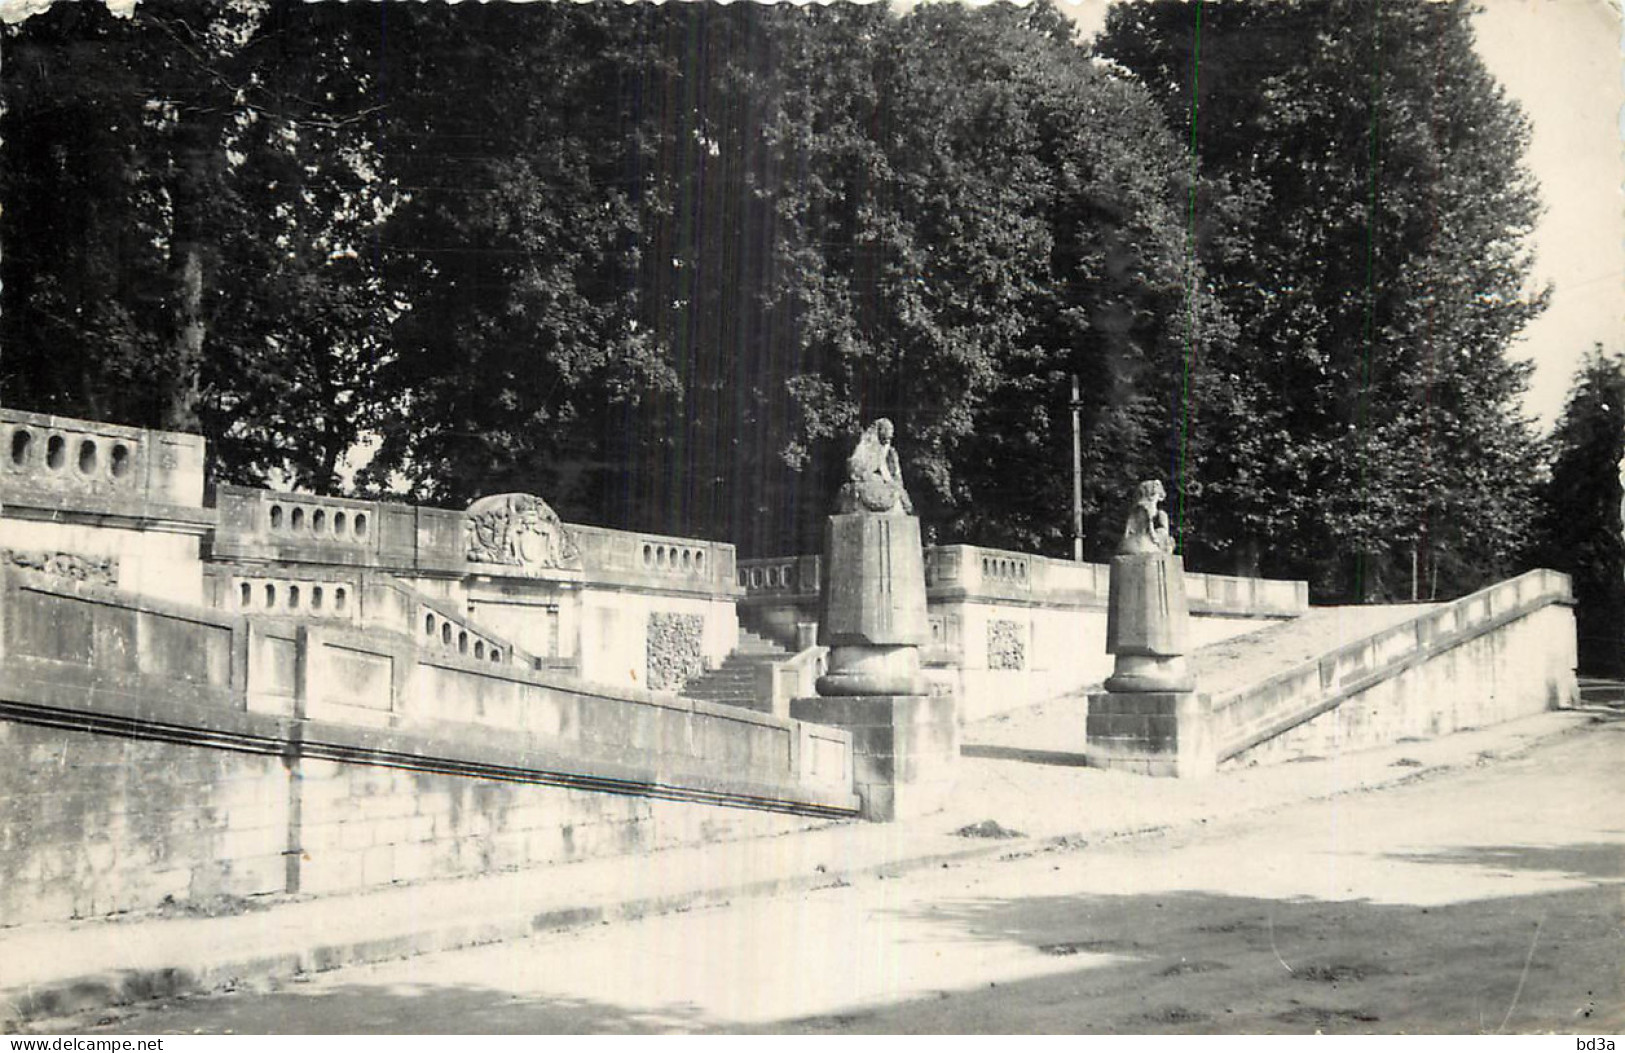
{"type": "Point", "coordinates": [1147, 529]}
{"type": "Point", "coordinates": [874, 478]}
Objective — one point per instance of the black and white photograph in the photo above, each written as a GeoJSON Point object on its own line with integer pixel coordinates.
{"type": "Point", "coordinates": [616, 517]}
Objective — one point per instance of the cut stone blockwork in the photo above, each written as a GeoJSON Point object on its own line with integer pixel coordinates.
{"type": "Point", "coordinates": [676, 649]}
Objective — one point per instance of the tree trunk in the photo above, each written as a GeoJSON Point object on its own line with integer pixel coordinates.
{"type": "Point", "coordinates": [180, 410]}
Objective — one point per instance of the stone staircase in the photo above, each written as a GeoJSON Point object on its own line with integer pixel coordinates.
{"type": "Point", "coordinates": [1599, 692]}
{"type": "Point", "coordinates": [734, 682]}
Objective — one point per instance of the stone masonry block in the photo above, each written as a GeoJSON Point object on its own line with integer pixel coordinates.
{"type": "Point", "coordinates": [378, 866]}
{"type": "Point", "coordinates": [330, 872]}
{"type": "Point", "coordinates": [1154, 732]}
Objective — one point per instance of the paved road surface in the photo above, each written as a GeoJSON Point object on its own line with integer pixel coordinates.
{"type": "Point", "coordinates": [1483, 900]}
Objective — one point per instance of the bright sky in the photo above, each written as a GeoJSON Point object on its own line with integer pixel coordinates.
{"type": "Point", "coordinates": [1561, 59]}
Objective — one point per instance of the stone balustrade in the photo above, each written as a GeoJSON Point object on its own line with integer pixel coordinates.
{"type": "Point", "coordinates": [116, 468]}
{"type": "Point", "coordinates": [1010, 628]}
{"type": "Point", "coordinates": [450, 633]}
{"type": "Point", "coordinates": [414, 541]}
{"type": "Point", "coordinates": [972, 572]}
{"type": "Point", "coordinates": [788, 576]}
{"type": "Point", "coordinates": [656, 562]}
{"type": "Point", "coordinates": [303, 597]}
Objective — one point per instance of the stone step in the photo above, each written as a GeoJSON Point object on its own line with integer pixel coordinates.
{"type": "Point", "coordinates": [741, 671]}
{"type": "Point", "coordinates": [1604, 691]}
{"type": "Point", "coordinates": [734, 681]}
{"type": "Point", "coordinates": [737, 699]}
{"type": "Point", "coordinates": [759, 646]}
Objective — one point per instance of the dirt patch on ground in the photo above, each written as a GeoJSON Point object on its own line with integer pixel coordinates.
{"type": "Point", "coordinates": [1063, 950]}
{"type": "Point", "coordinates": [1320, 1017]}
{"type": "Point", "coordinates": [1188, 968]}
{"type": "Point", "coordinates": [988, 828]}
{"type": "Point", "coordinates": [1336, 972]}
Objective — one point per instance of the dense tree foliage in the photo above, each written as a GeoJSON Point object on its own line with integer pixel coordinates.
{"type": "Point", "coordinates": [1581, 531]}
{"type": "Point", "coordinates": [659, 263]}
{"type": "Point", "coordinates": [185, 216]}
{"type": "Point", "coordinates": [1375, 213]}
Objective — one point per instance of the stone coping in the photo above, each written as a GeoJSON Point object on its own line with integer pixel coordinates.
{"type": "Point", "coordinates": [94, 697]}
{"type": "Point", "coordinates": [1331, 678]}
{"type": "Point", "coordinates": [1013, 579]}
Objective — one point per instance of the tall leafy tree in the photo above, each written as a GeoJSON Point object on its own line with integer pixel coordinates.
{"type": "Point", "coordinates": [188, 192]}
{"type": "Point", "coordinates": [1581, 529]}
{"type": "Point", "coordinates": [1369, 435]}
{"type": "Point", "coordinates": [1001, 212]}
{"type": "Point", "coordinates": [519, 135]}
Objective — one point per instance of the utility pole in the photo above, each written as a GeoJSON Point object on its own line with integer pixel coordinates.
{"type": "Point", "coordinates": [1077, 476]}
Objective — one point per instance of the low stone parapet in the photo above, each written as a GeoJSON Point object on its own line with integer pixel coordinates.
{"type": "Point", "coordinates": [99, 502]}
{"type": "Point", "coordinates": [1008, 629]}
{"type": "Point", "coordinates": [905, 749]}
{"type": "Point", "coordinates": [293, 735]}
{"type": "Point", "coordinates": [1502, 652]}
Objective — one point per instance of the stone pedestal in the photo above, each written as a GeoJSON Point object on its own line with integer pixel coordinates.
{"type": "Point", "coordinates": [1148, 624]}
{"type": "Point", "coordinates": [873, 618]}
{"type": "Point", "coordinates": [1150, 719]}
{"type": "Point", "coordinates": [905, 749]}
{"type": "Point", "coordinates": [905, 743]}
{"type": "Point", "coordinates": [1163, 733]}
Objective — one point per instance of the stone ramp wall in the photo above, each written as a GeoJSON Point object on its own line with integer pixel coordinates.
{"type": "Point", "coordinates": [1503, 652]}
{"type": "Point", "coordinates": [152, 750]}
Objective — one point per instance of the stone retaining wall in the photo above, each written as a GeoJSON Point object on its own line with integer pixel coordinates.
{"type": "Point", "coordinates": [153, 750]}
{"type": "Point", "coordinates": [1503, 652]}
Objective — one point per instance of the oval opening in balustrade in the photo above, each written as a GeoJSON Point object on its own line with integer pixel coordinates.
{"type": "Point", "coordinates": [479, 649]}
{"type": "Point", "coordinates": [462, 643]}
{"type": "Point", "coordinates": [688, 561]}
{"type": "Point", "coordinates": [360, 524]}
{"type": "Point", "coordinates": [316, 598]}
{"type": "Point", "coordinates": [270, 595]}
{"type": "Point", "coordinates": [296, 519]}
{"type": "Point", "coordinates": [245, 595]}
{"type": "Point", "coordinates": [318, 521]}
{"type": "Point", "coordinates": [699, 562]}
{"type": "Point", "coordinates": [648, 556]}
{"type": "Point", "coordinates": [660, 557]}
{"type": "Point", "coordinates": [428, 625]}
{"type": "Point", "coordinates": [496, 656]}
{"type": "Point", "coordinates": [276, 517]}
{"type": "Point", "coordinates": [338, 599]}
{"type": "Point", "coordinates": [22, 442]}
{"type": "Point", "coordinates": [293, 597]}
{"type": "Point", "coordinates": [445, 633]}
{"type": "Point", "coordinates": [55, 452]}
{"type": "Point", "coordinates": [338, 523]}
{"type": "Point", "coordinates": [120, 465]}
{"type": "Point", "coordinates": [87, 457]}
